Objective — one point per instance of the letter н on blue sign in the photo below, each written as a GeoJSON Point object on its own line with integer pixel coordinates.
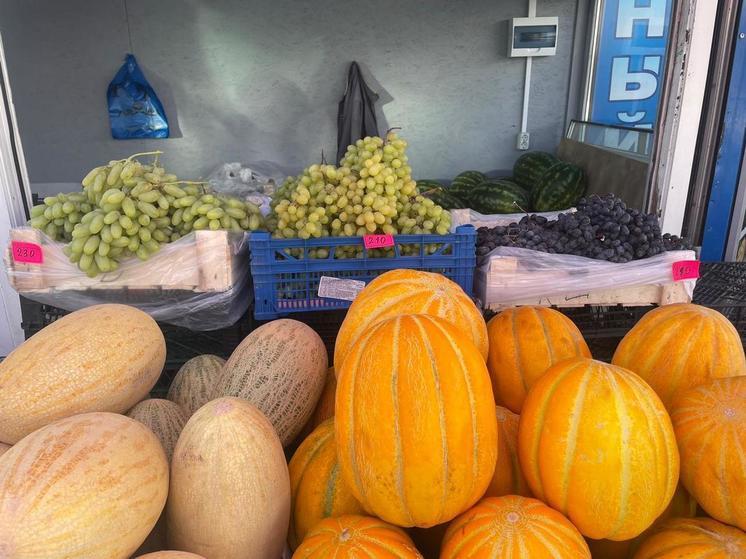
{"type": "Point", "coordinates": [630, 62]}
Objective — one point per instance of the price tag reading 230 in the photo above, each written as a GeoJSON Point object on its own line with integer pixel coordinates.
{"type": "Point", "coordinates": [28, 253]}
{"type": "Point", "coordinates": [378, 241]}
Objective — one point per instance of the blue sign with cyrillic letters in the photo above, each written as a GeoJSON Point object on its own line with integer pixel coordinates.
{"type": "Point", "coordinates": [630, 62]}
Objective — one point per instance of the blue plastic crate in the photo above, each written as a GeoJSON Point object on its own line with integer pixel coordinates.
{"type": "Point", "coordinates": [286, 278]}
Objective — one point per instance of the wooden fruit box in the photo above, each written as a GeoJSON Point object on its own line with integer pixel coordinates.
{"type": "Point", "coordinates": [508, 272]}
{"type": "Point", "coordinates": [208, 261]}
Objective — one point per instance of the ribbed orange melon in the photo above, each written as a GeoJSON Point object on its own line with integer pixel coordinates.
{"type": "Point", "coordinates": [193, 385]}
{"type": "Point", "coordinates": [676, 347]}
{"type": "Point", "coordinates": [682, 505]}
{"type": "Point", "coordinates": [316, 486]}
{"type": "Point", "coordinates": [693, 538]}
{"type": "Point", "coordinates": [101, 358]}
{"type": "Point", "coordinates": [710, 426]}
{"type": "Point", "coordinates": [353, 537]}
{"type": "Point", "coordinates": [513, 527]}
{"type": "Point", "coordinates": [165, 418]}
{"type": "Point", "coordinates": [415, 421]}
{"type": "Point", "coordinates": [230, 492]}
{"type": "Point", "coordinates": [280, 368]}
{"type": "Point", "coordinates": [410, 292]}
{"type": "Point", "coordinates": [88, 486]}
{"type": "Point", "coordinates": [171, 555]}
{"type": "Point", "coordinates": [508, 478]}
{"type": "Point", "coordinates": [596, 443]}
{"type": "Point", "coordinates": [524, 343]}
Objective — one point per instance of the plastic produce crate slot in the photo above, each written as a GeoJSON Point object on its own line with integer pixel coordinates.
{"type": "Point", "coordinates": [286, 275]}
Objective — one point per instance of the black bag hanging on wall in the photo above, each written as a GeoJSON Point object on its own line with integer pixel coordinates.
{"type": "Point", "coordinates": [356, 117]}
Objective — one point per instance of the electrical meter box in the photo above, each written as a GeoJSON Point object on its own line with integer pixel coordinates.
{"type": "Point", "coordinates": [533, 36]}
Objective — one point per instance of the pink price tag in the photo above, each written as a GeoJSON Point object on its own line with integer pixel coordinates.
{"type": "Point", "coordinates": [29, 253]}
{"type": "Point", "coordinates": [685, 269]}
{"type": "Point", "coordinates": [378, 241]}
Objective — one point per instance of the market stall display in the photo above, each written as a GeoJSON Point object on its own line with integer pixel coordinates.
{"type": "Point", "coordinates": [416, 439]}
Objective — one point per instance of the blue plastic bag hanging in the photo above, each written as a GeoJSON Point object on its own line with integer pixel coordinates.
{"type": "Point", "coordinates": [134, 109]}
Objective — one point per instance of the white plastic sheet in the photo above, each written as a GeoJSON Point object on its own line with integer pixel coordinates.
{"type": "Point", "coordinates": [471, 217]}
{"type": "Point", "coordinates": [200, 282]}
{"type": "Point", "coordinates": [510, 275]}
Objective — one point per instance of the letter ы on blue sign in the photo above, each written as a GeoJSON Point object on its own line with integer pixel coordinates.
{"type": "Point", "coordinates": [630, 62]}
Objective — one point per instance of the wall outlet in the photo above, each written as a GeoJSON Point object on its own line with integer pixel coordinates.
{"type": "Point", "coordinates": [522, 143]}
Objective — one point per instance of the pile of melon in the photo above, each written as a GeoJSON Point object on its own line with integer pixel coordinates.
{"type": "Point", "coordinates": [432, 434]}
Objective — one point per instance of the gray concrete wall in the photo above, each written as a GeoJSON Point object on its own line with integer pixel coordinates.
{"type": "Point", "coordinates": [260, 80]}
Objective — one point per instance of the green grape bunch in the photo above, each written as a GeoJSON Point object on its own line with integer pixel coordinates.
{"type": "Point", "coordinates": [371, 191]}
{"type": "Point", "coordinates": [130, 209]}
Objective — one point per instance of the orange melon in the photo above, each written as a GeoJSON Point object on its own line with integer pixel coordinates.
{"type": "Point", "coordinates": [281, 369]}
{"type": "Point", "coordinates": [513, 527]}
{"type": "Point", "coordinates": [415, 421]}
{"type": "Point", "coordinates": [710, 426]}
{"type": "Point", "coordinates": [682, 505]}
{"type": "Point", "coordinates": [353, 537]}
{"type": "Point", "coordinates": [410, 292]}
{"type": "Point", "coordinates": [524, 343]}
{"type": "Point", "coordinates": [676, 347]}
{"type": "Point", "coordinates": [92, 485]}
{"type": "Point", "coordinates": [171, 555]}
{"type": "Point", "coordinates": [693, 538]}
{"type": "Point", "coordinates": [317, 489]}
{"type": "Point", "coordinates": [193, 385]}
{"type": "Point", "coordinates": [165, 418]}
{"type": "Point", "coordinates": [101, 358]}
{"type": "Point", "coordinates": [508, 478]}
{"type": "Point", "coordinates": [596, 443]}
{"type": "Point", "coordinates": [230, 492]}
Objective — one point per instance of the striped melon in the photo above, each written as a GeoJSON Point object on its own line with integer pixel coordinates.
{"type": "Point", "coordinates": [410, 292]}
{"type": "Point", "coordinates": [193, 384]}
{"type": "Point", "coordinates": [170, 555]}
{"type": "Point", "coordinates": [101, 358]}
{"type": "Point", "coordinates": [508, 478]}
{"type": "Point", "coordinates": [86, 487]}
{"type": "Point", "coordinates": [693, 538]}
{"type": "Point", "coordinates": [4, 448]}
{"type": "Point", "coordinates": [524, 343]}
{"type": "Point", "coordinates": [513, 527]}
{"type": "Point", "coordinates": [280, 368]}
{"type": "Point", "coordinates": [415, 421]}
{"type": "Point", "coordinates": [164, 418]}
{"type": "Point", "coordinates": [356, 537]}
{"type": "Point", "coordinates": [317, 489]}
{"type": "Point", "coordinates": [596, 443]}
{"type": "Point", "coordinates": [230, 491]}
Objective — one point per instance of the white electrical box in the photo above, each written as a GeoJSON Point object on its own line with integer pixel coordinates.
{"type": "Point", "coordinates": [533, 36]}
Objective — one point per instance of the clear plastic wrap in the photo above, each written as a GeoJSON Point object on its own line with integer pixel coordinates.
{"type": "Point", "coordinates": [470, 217]}
{"type": "Point", "coordinates": [200, 282]}
{"type": "Point", "coordinates": [254, 182]}
{"type": "Point", "coordinates": [517, 276]}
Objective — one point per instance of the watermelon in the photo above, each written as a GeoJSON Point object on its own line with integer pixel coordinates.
{"type": "Point", "coordinates": [465, 181]}
{"type": "Point", "coordinates": [560, 188]}
{"type": "Point", "coordinates": [530, 167]}
{"type": "Point", "coordinates": [428, 185]}
{"type": "Point", "coordinates": [446, 200]}
{"type": "Point", "coordinates": [499, 197]}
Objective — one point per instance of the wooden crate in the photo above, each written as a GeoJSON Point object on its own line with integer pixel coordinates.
{"type": "Point", "coordinates": [214, 262]}
{"type": "Point", "coordinates": [510, 271]}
